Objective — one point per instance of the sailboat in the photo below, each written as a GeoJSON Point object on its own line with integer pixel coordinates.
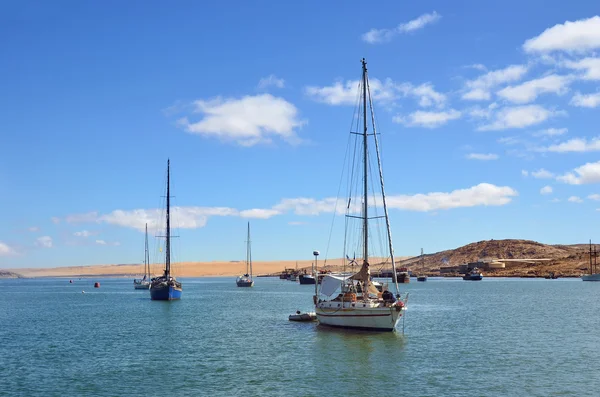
{"type": "Point", "coordinates": [422, 277]}
{"type": "Point", "coordinates": [246, 279]}
{"type": "Point", "coordinates": [144, 283]}
{"type": "Point", "coordinates": [593, 275]}
{"type": "Point", "coordinates": [165, 287]}
{"type": "Point", "coordinates": [359, 303]}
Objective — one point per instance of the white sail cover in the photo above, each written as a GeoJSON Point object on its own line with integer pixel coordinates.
{"type": "Point", "coordinates": [331, 283]}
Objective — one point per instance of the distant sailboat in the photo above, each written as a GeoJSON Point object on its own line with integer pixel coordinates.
{"type": "Point", "coordinates": [593, 275]}
{"type": "Point", "coordinates": [360, 304]}
{"type": "Point", "coordinates": [144, 283]}
{"type": "Point", "coordinates": [422, 277]}
{"type": "Point", "coordinates": [165, 287]}
{"type": "Point", "coordinates": [246, 280]}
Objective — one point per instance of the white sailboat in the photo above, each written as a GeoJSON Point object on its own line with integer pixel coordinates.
{"type": "Point", "coordinates": [144, 283]}
{"type": "Point", "coordinates": [360, 303]}
{"type": "Point", "coordinates": [246, 279]}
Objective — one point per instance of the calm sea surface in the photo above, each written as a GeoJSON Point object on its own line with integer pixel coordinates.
{"type": "Point", "coordinates": [497, 337]}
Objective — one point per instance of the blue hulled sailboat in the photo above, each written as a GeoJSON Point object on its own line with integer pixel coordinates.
{"type": "Point", "coordinates": [165, 287]}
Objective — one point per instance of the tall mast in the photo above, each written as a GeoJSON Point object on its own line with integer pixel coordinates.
{"type": "Point", "coordinates": [168, 245]}
{"type": "Point", "coordinates": [146, 256]}
{"type": "Point", "coordinates": [248, 253]}
{"type": "Point", "coordinates": [591, 272]}
{"type": "Point", "coordinates": [365, 167]}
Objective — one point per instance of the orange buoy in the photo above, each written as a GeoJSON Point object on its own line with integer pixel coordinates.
{"type": "Point", "coordinates": [96, 285]}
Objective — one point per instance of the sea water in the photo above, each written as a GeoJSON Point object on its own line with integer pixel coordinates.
{"type": "Point", "coordinates": [495, 337]}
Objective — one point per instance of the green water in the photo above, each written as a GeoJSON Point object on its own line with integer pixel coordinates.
{"type": "Point", "coordinates": [496, 337]}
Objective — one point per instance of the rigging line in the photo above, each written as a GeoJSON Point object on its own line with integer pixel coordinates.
{"type": "Point", "coordinates": [387, 220]}
{"type": "Point", "coordinates": [357, 102]}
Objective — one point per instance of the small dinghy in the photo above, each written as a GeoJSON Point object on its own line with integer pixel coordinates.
{"type": "Point", "coordinates": [299, 316]}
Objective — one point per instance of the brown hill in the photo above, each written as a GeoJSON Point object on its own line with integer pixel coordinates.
{"type": "Point", "coordinates": [566, 260]}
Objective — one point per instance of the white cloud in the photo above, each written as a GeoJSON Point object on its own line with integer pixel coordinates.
{"type": "Point", "coordinates": [55, 220]}
{"type": "Point", "coordinates": [575, 199]}
{"type": "Point", "coordinates": [6, 250]}
{"type": "Point", "coordinates": [481, 156]}
{"type": "Point", "coordinates": [581, 35]}
{"type": "Point", "coordinates": [590, 67]}
{"type": "Point", "coordinates": [427, 119]}
{"type": "Point", "coordinates": [479, 89]}
{"type": "Point", "coordinates": [509, 140]}
{"type": "Point", "coordinates": [586, 101]}
{"type": "Point", "coordinates": [100, 242]}
{"type": "Point", "coordinates": [271, 81]}
{"type": "Point", "coordinates": [586, 174]}
{"type": "Point", "coordinates": [542, 174]}
{"type": "Point", "coordinates": [44, 241]}
{"type": "Point", "coordinates": [484, 194]}
{"type": "Point", "coordinates": [83, 233]}
{"type": "Point", "coordinates": [551, 132]}
{"type": "Point", "coordinates": [574, 145]}
{"type": "Point", "coordinates": [259, 213]}
{"type": "Point", "coordinates": [555, 200]}
{"type": "Point", "coordinates": [181, 217]}
{"type": "Point", "coordinates": [524, 173]}
{"type": "Point", "coordinates": [529, 90]}
{"type": "Point", "coordinates": [383, 35]}
{"type": "Point", "coordinates": [347, 94]}
{"type": "Point", "coordinates": [386, 91]}
{"type": "Point", "coordinates": [594, 196]}
{"type": "Point", "coordinates": [34, 229]}
{"type": "Point", "coordinates": [477, 66]}
{"type": "Point", "coordinates": [195, 217]}
{"type": "Point", "coordinates": [247, 121]}
{"type": "Point", "coordinates": [546, 190]}
{"type": "Point", "coordinates": [518, 117]}
{"type": "Point", "coordinates": [297, 223]}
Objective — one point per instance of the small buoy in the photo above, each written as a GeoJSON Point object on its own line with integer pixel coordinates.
{"type": "Point", "coordinates": [70, 281]}
{"type": "Point", "coordinates": [96, 285]}
{"type": "Point", "coordinates": [83, 292]}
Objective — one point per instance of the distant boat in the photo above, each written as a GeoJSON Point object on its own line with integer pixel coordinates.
{"type": "Point", "coordinates": [551, 276]}
{"type": "Point", "coordinates": [144, 283]}
{"type": "Point", "coordinates": [473, 275]}
{"type": "Point", "coordinates": [593, 275]}
{"type": "Point", "coordinates": [369, 309]}
{"type": "Point", "coordinates": [403, 276]}
{"type": "Point", "coordinates": [299, 316]}
{"type": "Point", "coordinates": [165, 287]}
{"type": "Point", "coordinates": [246, 279]}
{"type": "Point", "coordinates": [422, 277]}
{"type": "Point", "coordinates": [306, 279]}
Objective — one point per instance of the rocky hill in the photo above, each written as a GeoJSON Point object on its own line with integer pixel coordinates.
{"type": "Point", "coordinates": [6, 274]}
{"type": "Point", "coordinates": [566, 260]}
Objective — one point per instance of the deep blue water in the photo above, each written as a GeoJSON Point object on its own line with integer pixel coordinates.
{"type": "Point", "coordinates": [496, 337]}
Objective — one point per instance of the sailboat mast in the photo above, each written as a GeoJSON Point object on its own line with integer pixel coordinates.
{"type": "Point", "coordinates": [248, 253]}
{"type": "Point", "coordinates": [365, 166]}
{"type": "Point", "coordinates": [146, 256]}
{"type": "Point", "coordinates": [168, 245]}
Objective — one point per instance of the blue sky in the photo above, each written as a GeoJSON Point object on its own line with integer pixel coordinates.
{"type": "Point", "coordinates": [488, 113]}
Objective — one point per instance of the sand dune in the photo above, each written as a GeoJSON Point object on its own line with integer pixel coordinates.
{"type": "Point", "coordinates": [181, 269]}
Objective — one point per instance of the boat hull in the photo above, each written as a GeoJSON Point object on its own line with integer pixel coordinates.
{"type": "Point", "coordinates": [422, 278]}
{"type": "Point", "coordinates": [165, 293]}
{"type": "Point", "coordinates": [370, 319]}
{"type": "Point", "coordinates": [475, 277]}
{"type": "Point", "coordinates": [305, 280]}
{"type": "Point", "coordinates": [591, 277]}
{"type": "Point", "coordinates": [244, 283]}
{"type": "Point", "coordinates": [141, 286]}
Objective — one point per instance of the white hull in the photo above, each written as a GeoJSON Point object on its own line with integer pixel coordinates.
{"type": "Point", "coordinates": [591, 277]}
{"type": "Point", "coordinates": [369, 317]}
